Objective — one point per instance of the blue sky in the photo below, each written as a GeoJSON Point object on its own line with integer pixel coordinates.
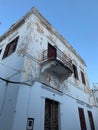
{"type": "Point", "coordinates": [75, 20]}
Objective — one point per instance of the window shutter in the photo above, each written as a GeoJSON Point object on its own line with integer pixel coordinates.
{"type": "Point", "coordinates": [82, 119]}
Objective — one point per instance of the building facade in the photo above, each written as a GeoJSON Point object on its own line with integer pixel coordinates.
{"type": "Point", "coordinates": [43, 80]}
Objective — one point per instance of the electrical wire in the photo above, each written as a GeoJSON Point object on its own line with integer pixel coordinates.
{"type": "Point", "coordinates": [14, 82]}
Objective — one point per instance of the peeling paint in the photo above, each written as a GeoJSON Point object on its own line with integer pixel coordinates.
{"type": "Point", "coordinates": [39, 28]}
{"type": "Point", "coordinates": [23, 46]}
{"type": "Point", "coordinates": [48, 78]}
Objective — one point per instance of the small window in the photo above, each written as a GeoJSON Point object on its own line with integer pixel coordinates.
{"type": "Point", "coordinates": [75, 72]}
{"type": "Point", "coordinates": [10, 48]}
{"type": "Point", "coordinates": [30, 123]}
{"type": "Point", "coordinates": [91, 120]}
{"type": "Point", "coordinates": [83, 78]}
{"type": "Point", "coordinates": [82, 119]}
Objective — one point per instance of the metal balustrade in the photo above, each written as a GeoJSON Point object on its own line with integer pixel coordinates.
{"type": "Point", "coordinates": [60, 56]}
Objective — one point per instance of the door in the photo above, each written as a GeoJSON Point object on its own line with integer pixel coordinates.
{"type": "Point", "coordinates": [51, 51]}
{"type": "Point", "coordinates": [51, 115]}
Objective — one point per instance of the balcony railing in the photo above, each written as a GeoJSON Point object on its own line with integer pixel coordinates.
{"type": "Point", "coordinates": [59, 56]}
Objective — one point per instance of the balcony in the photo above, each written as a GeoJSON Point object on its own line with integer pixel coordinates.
{"type": "Point", "coordinates": [56, 63]}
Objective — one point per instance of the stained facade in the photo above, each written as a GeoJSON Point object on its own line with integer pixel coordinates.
{"type": "Point", "coordinates": [43, 81]}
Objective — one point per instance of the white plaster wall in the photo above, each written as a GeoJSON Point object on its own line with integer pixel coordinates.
{"type": "Point", "coordinates": [95, 93]}
{"type": "Point", "coordinates": [8, 99]}
{"type": "Point", "coordinates": [31, 104]}
{"type": "Point", "coordinates": [95, 117]}
{"type": "Point", "coordinates": [10, 69]}
{"type": "Point", "coordinates": [21, 110]}
{"type": "Point", "coordinates": [77, 93]}
{"type": "Point", "coordinates": [39, 37]}
{"type": "Point", "coordinates": [17, 103]}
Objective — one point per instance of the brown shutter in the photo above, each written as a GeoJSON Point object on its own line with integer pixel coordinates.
{"type": "Point", "coordinates": [51, 115]}
{"type": "Point", "coordinates": [91, 120]}
{"type": "Point", "coordinates": [6, 51]}
{"type": "Point", "coordinates": [83, 78]}
{"type": "Point", "coordinates": [51, 51]}
{"type": "Point", "coordinates": [82, 119]}
{"type": "Point", "coordinates": [11, 47]}
{"type": "Point", "coordinates": [75, 72]}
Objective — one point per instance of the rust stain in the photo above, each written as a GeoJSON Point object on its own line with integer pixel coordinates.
{"type": "Point", "coordinates": [39, 28]}
{"type": "Point", "coordinates": [27, 68]}
{"type": "Point", "coordinates": [56, 83]}
{"type": "Point", "coordinates": [48, 78]}
{"type": "Point", "coordinates": [69, 56]}
{"type": "Point", "coordinates": [76, 82]}
{"type": "Point", "coordinates": [87, 88]}
{"type": "Point", "coordinates": [23, 46]}
{"type": "Point", "coordinates": [28, 25]}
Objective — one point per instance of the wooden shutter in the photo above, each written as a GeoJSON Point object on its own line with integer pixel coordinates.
{"type": "Point", "coordinates": [11, 47]}
{"type": "Point", "coordinates": [6, 51]}
{"type": "Point", "coordinates": [51, 51]}
{"type": "Point", "coordinates": [75, 71]}
{"type": "Point", "coordinates": [51, 115]}
{"type": "Point", "coordinates": [83, 78]}
{"type": "Point", "coordinates": [91, 120]}
{"type": "Point", "coordinates": [82, 119]}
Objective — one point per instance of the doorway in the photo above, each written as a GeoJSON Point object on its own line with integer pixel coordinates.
{"type": "Point", "coordinates": [51, 115]}
{"type": "Point", "coordinates": [52, 52]}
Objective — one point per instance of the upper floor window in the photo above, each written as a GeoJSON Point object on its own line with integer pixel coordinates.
{"type": "Point", "coordinates": [83, 78]}
{"type": "Point", "coordinates": [75, 72]}
{"type": "Point", "coordinates": [10, 48]}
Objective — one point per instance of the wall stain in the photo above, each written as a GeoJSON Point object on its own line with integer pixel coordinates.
{"type": "Point", "coordinates": [39, 28]}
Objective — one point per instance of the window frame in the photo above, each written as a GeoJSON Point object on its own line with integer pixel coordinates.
{"type": "Point", "coordinates": [75, 71]}
{"type": "Point", "coordinates": [91, 121]}
{"type": "Point", "coordinates": [82, 119]}
{"type": "Point", "coordinates": [10, 47]}
{"type": "Point", "coordinates": [83, 78]}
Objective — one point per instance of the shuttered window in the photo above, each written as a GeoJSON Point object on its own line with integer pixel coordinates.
{"type": "Point", "coordinates": [10, 48]}
{"type": "Point", "coordinates": [91, 120]}
{"type": "Point", "coordinates": [82, 119]}
{"type": "Point", "coordinates": [83, 78]}
{"type": "Point", "coordinates": [75, 72]}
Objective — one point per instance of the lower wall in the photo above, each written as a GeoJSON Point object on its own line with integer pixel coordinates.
{"type": "Point", "coordinates": [31, 104]}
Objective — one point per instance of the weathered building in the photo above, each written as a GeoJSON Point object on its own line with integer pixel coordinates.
{"type": "Point", "coordinates": [43, 80]}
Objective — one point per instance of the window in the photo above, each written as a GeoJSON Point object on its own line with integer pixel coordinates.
{"type": "Point", "coordinates": [52, 52]}
{"type": "Point", "coordinates": [10, 48]}
{"type": "Point", "coordinates": [91, 120]}
{"type": "Point", "coordinates": [83, 78]}
{"type": "Point", "coordinates": [0, 51]}
{"type": "Point", "coordinates": [82, 119]}
{"type": "Point", "coordinates": [75, 72]}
